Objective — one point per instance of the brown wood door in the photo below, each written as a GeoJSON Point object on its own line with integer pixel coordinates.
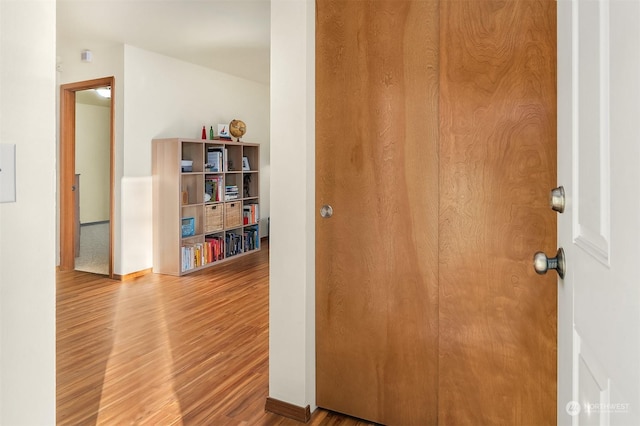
{"type": "Point", "coordinates": [435, 147]}
{"type": "Point", "coordinates": [377, 166]}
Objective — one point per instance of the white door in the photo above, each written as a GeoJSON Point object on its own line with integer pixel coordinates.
{"type": "Point", "coordinates": [599, 166]}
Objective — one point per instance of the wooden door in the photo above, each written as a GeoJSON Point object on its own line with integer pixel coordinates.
{"type": "Point", "coordinates": [436, 149]}
{"type": "Point", "coordinates": [497, 360]}
{"type": "Point", "coordinates": [377, 256]}
{"type": "Point", "coordinates": [598, 159]}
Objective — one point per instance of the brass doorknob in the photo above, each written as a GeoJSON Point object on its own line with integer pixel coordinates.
{"type": "Point", "coordinates": [542, 263]}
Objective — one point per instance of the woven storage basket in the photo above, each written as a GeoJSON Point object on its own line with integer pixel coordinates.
{"type": "Point", "coordinates": [213, 218]}
{"type": "Point", "coordinates": [233, 214]}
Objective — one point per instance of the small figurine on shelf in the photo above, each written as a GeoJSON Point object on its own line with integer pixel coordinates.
{"type": "Point", "coordinates": [245, 185]}
{"type": "Point", "coordinates": [204, 132]}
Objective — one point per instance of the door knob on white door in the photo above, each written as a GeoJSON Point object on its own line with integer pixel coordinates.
{"type": "Point", "coordinates": [542, 263]}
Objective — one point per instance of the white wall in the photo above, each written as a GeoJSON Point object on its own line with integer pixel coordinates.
{"type": "Point", "coordinates": [166, 97]}
{"type": "Point", "coordinates": [292, 240]}
{"type": "Point", "coordinates": [158, 96]}
{"type": "Point", "coordinates": [107, 61]}
{"type": "Point", "coordinates": [92, 161]}
{"type": "Point", "coordinates": [27, 276]}
{"type": "Point", "coordinates": [27, 89]}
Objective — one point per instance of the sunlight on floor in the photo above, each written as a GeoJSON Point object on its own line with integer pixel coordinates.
{"type": "Point", "coordinates": [144, 392]}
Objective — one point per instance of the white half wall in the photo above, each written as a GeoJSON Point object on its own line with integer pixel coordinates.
{"type": "Point", "coordinates": [27, 226]}
{"type": "Point", "coordinates": [292, 240]}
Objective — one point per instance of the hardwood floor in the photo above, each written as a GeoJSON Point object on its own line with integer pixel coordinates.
{"type": "Point", "coordinates": [161, 350]}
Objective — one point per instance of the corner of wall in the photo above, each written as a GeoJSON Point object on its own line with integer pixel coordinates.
{"type": "Point", "coordinates": [292, 243]}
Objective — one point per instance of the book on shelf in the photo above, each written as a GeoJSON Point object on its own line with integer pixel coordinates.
{"type": "Point", "coordinates": [213, 185]}
{"type": "Point", "coordinates": [192, 256]}
{"type": "Point", "coordinates": [216, 248]}
{"type": "Point", "coordinates": [250, 214]}
{"type": "Point", "coordinates": [214, 159]}
{"type": "Point", "coordinates": [231, 192]}
{"type": "Point", "coordinates": [199, 254]}
{"type": "Point", "coordinates": [233, 244]}
{"type": "Point", "coordinates": [251, 238]}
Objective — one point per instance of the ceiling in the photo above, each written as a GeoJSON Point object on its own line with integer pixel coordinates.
{"type": "Point", "coordinates": [232, 36]}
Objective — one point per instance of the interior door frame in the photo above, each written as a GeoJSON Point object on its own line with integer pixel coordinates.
{"type": "Point", "coordinates": [68, 167]}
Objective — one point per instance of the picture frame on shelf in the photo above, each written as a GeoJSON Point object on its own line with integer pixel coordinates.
{"type": "Point", "coordinates": [223, 132]}
{"type": "Point", "coordinates": [245, 164]}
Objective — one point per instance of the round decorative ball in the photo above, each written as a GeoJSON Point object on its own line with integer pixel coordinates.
{"type": "Point", "coordinates": [237, 128]}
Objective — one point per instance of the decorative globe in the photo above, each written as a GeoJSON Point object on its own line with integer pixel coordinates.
{"type": "Point", "coordinates": [237, 128]}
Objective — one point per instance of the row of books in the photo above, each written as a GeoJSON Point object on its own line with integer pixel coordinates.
{"type": "Point", "coordinates": [251, 238]}
{"type": "Point", "coordinates": [250, 214]}
{"type": "Point", "coordinates": [213, 186]}
{"type": "Point", "coordinates": [233, 244]}
{"type": "Point", "coordinates": [216, 244]}
{"type": "Point", "coordinates": [199, 254]}
{"type": "Point", "coordinates": [231, 192]}
{"type": "Point", "coordinates": [237, 243]}
{"type": "Point", "coordinates": [217, 160]}
{"type": "Point", "coordinates": [217, 248]}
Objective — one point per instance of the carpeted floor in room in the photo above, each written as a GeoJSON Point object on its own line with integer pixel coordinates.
{"type": "Point", "coordinates": [94, 248]}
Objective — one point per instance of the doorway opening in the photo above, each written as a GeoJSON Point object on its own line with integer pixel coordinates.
{"type": "Point", "coordinates": [98, 221]}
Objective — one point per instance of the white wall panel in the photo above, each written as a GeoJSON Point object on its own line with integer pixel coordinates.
{"type": "Point", "coordinates": [591, 154]}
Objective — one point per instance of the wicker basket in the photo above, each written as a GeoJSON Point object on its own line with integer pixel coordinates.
{"type": "Point", "coordinates": [213, 218]}
{"type": "Point", "coordinates": [233, 214]}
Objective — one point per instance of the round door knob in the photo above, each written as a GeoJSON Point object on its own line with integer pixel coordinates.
{"type": "Point", "coordinates": [542, 263]}
{"type": "Point", "coordinates": [557, 199]}
{"type": "Point", "coordinates": [326, 211]}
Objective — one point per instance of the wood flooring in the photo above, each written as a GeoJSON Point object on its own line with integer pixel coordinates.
{"type": "Point", "coordinates": [162, 350]}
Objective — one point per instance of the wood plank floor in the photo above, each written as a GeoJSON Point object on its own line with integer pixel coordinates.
{"type": "Point", "coordinates": [161, 350]}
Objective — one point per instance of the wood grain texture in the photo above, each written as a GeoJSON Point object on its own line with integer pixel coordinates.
{"type": "Point", "coordinates": [132, 275]}
{"type": "Point", "coordinates": [67, 178]}
{"type": "Point", "coordinates": [162, 350]}
{"type": "Point", "coordinates": [301, 414]}
{"type": "Point", "coordinates": [497, 165]}
{"type": "Point", "coordinates": [376, 165]}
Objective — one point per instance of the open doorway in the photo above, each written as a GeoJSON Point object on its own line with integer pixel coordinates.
{"type": "Point", "coordinates": [86, 178]}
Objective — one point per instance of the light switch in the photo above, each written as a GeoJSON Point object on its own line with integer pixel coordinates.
{"type": "Point", "coordinates": [7, 173]}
